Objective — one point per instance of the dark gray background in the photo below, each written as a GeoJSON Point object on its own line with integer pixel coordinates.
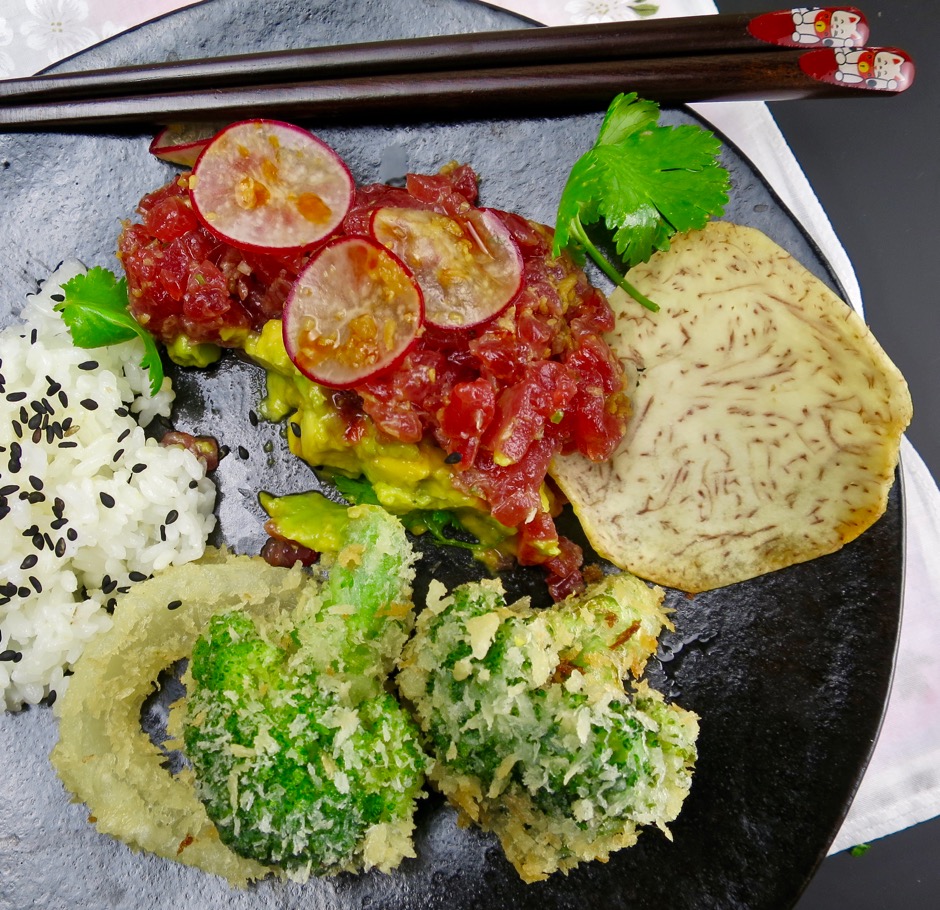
{"type": "Point", "coordinates": [873, 164]}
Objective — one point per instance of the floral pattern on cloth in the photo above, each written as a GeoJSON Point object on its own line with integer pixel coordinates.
{"type": "Point", "coordinates": [35, 34]}
{"type": "Point", "coordinates": [591, 11]}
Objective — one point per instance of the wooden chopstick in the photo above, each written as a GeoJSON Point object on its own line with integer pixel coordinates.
{"type": "Point", "coordinates": [462, 95]}
{"type": "Point", "coordinates": [640, 39]}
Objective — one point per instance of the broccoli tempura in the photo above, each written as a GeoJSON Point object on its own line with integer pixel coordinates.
{"type": "Point", "coordinates": [302, 758]}
{"type": "Point", "coordinates": [533, 735]}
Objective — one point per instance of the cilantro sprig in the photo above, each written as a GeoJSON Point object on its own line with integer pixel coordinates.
{"type": "Point", "coordinates": [646, 182]}
{"type": "Point", "coordinates": [95, 311]}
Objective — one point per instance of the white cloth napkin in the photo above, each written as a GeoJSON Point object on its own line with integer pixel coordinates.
{"type": "Point", "coordinates": [902, 784]}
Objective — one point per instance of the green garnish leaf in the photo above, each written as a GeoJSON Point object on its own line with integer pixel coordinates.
{"type": "Point", "coordinates": [95, 311]}
{"type": "Point", "coordinates": [356, 490]}
{"type": "Point", "coordinates": [646, 182]}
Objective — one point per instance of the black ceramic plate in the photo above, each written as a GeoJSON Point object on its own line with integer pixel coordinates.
{"type": "Point", "coordinates": [789, 672]}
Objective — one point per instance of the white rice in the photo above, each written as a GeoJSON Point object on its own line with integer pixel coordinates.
{"type": "Point", "coordinates": [79, 523]}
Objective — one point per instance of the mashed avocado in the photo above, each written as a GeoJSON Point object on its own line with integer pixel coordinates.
{"type": "Point", "coordinates": [405, 477]}
{"type": "Point", "coordinates": [188, 353]}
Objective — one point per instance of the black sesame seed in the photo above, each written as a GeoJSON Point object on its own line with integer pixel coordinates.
{"type": "Point", "coordinates": [67, 444]}
{"type": "Point", "coordinates": [453, 458]}
{"type": "Point", "coordinates": [193, 484]}
{"type": "Point", "coordinates": [58, 506]}
{"type": "Point", "coordinates": [223, 451]}
{"type": "Point", "coordinates": [31, 531]}
{"type": "Point", "coordinates": [9, 489]}
{"type": "Point", "coordinates": [137, 576]}
{"type": "Point", "coordinates": [138, 468]}
{"type": "Point", "coordinates": [54, 386]}
{"type": "Point", "coordinates": [50, 698]}
{"type": "Point", "coordinates": [88, 365]}
{"type": "Point", "coordinates": [121, 412]}
{"type": "Point", "coordinates": [295, 429]}
{"type": "Point", "coordinates": [38, 541]}
{"type": "Point", "coordinates": [58, 298]}
{"type": "Point", "coordinates": [58, 523]}
{"type": "Point", "coordinates": [124, 435]}
{"type": "Point", "coordinates": [10, 654]}
{"type": "Point", "coordinates": [16, 450]}
{"type": "Point", "coordinates": [24, 414]}
{"type": "Point", "coordinates": [174, 604]}
{"type": "Point", "coordinates": [63, 399]}
{"type": "Point", "coordinates": [72, 534]}
{"type": "Point", "coordinates": [23, 591]}
{"type": "Point", "coordinates": [36, 498]}
{"type": "Point", "coordinates": [35, 482]}
{"type": "Point", "coordinates": [107, 500]}
{"type": "Point", "coordinates": [33, 336]}
{"type": "Point", "coordinates": [34, 581]}
{"type": "Point", "coordinates": [163, 533]}
{"type": "Point", "coordinates": [108, 585]}
{"type": "Point", "coordinates": [60, 547]}
{"type": "Point", "coordinates": [18, 429]}
{"type": "Point", "coordinates": [89, 404]}
{"type": "Point", "coordinates": [171, 516]}
{"type": "Point", "coordinates": [16, 396]}
{"type": "Point", "coordinates": [253, 418]}
{"type": "Point", "coordinates": [242, 453]}
{"type": "Point", "coordinates": [118, 455]}
{"type": "Point", "coordinates": [29, 562]}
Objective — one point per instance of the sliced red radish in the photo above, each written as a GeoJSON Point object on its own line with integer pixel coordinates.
{"type": "Point", "coordinates": [468, 267]}
{"type": "Point", "coordinates": [269, 186]}
{"type": "Point", "coordinates": [354, 311]}
{"type": "Point", "coordinates": [182, 143]}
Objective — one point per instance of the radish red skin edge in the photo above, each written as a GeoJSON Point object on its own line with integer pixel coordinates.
{"type": "Point", "coordinates": [270, 187]}
{"type": "Point", "coordinates": [354, 312]}
{"type": "Point", "coordinates": [468, 267]}
{"type": "Point", "coordinates": [182, 143]}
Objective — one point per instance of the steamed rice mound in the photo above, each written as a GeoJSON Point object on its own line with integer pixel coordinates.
{"type": "Point", "coordinates": [88, 504]}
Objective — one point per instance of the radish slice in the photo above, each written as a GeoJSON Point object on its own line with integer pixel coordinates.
{"type": "Point", "coordinates": [468, 267]}
{"type": "Point", "coordinates": [354, 311]}
{"type": "Point", "coordinates": [268, 186]}
{"type": "Point", "coordinates": [182, 143]}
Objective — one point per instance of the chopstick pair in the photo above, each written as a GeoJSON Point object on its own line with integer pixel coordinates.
{"type": "Point", "coordinates": [797, 53]}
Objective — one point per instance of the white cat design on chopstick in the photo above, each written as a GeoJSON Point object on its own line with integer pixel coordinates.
{"type": "Point", "coordinates": [878, 68]}
{"type": "Point", "coordinates": [829, 27]}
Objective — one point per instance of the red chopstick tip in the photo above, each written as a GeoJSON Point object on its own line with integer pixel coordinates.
{"type": "Point", "coordinates": [817, 26]}
{"type": "Point", "coordinates": [880, 69]}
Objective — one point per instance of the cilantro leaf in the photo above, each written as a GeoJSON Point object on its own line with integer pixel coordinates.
{"type": "Point", "coordinates": [95, 312]}
{"type": "Point", "coordinates": [645, 181]}
{"type": "Point", "coordinates": [356, 490]}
